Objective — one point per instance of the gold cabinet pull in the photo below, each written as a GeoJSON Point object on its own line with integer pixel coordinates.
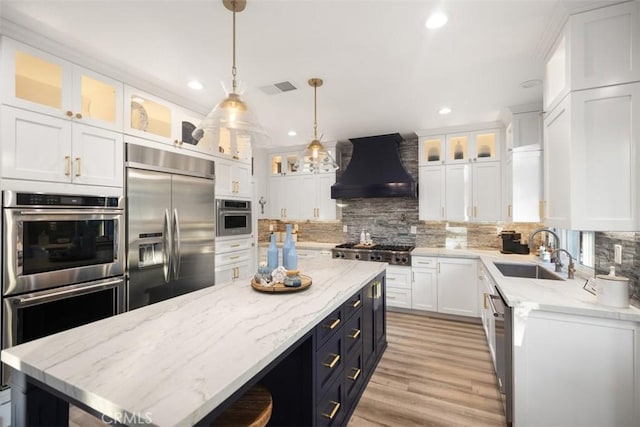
{"type": "Point", "coordinates": [330, 365]}
{"type": "Point", "coordinates": [356, 304]}
{"type": "Point", "coordinates": [475, 212]}
{"type": "Point", "coordinates": [355, 375]}
{"type": "Point", "coordinates": [67, 165]}
{"type": "Point", "coordinates": [333, 324]}
{"type": "Point", "coordinates": [334, 411]}
{"type": "Point", "coordinates": [509, 211]}
{"type": "Point", "coordinates": [69, 113]}
{"type": "Point", "coordinates": [355, 333]}
{"type": "Point", "coordinates": [235, 245]}
{"type": "Point", "coordinates": [78, 166]}
{"type": "Point", "coordinates": [234, 257]}
{"type": "Point", "coordinates": [78, 116]}
{"type": "Point", "coordinates": [442, 210]}
{"type": "Point", "coordinates": [541, 208]}
{"type": "Point", "coordinates": [485, 301]}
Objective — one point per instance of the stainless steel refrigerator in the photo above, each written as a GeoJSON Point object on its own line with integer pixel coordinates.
{"type": "Point", "coordinates": [170, 210]}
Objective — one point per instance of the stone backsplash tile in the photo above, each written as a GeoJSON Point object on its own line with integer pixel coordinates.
{"type": "Point", "coordinates": [308, 231]}
{"type": "Point", "coordinates": [604, 257]}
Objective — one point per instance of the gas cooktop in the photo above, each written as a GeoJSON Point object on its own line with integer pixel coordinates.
{"type": "Point", "coordinates": [392, 254]}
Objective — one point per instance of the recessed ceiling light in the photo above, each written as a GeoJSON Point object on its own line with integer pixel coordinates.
{"type": "Point", "coordinates": [530, 83]}
{"type": "Point", "coordinates": [444, 110]}
{"type": "Point", "coordinates": [436, 20]}
{"type": "Point", "coordinates": [195, 85]}
{"type": "Point", "coordinates": [292, 133]}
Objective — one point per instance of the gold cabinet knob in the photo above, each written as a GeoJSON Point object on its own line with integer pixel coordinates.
{"type": "Point", "coordinates": [78, 116]}
{"type": "Point", "coordinates": [69, 113]}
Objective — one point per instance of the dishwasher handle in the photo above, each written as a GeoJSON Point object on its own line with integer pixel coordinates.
{"type": "Point", "coordinates": [497, 306]}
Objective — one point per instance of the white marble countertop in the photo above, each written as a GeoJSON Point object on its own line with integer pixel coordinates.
{"type": "Point", "coordinates": [566, 296]}
{"type": "Point", "coordinates": [179, 359]}
{"type": "Point", "coordinates": [303, 245]}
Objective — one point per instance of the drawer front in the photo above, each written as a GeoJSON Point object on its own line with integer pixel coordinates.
{"type": "Point", "coordinates": [328, 327]}
{"type": "Point", "coordinates": [399, 277]}
{"type": "Point", "coordinates": [398, 297]}
{"type": "Point", "coordinates": [353, 378]}
{"type": "Point", "coordinates": [223, 246]}
{"type": "Point", "coordinates": [353, 305]}
{"type": "Point", "coordinates": [353, 336]}
{"type": "Point", "coordinates": [330, 407]}
{"type": "Point", "coordinates": [232, 257]}
{"type": "Point", "coordinates": [329, 362]}
{"type": "Point", "coordinates": [423, 262]}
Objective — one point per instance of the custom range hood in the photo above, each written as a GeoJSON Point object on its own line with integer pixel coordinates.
{"type": "Point", "coordinates": [375, 170]}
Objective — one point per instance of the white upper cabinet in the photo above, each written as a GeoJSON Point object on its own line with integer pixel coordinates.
{"type": "Point", "coordinates": [592, 155]}
{"type": "Point", "coordinates": [459, 175]}
{"type": "Point", "coordinates": [147, 116]}
{"type": "Point", "coordinates": [74, 153]}
{"type": "Point", "coordinates": [431, 150]}
{"type": "Point", "coordinates": [233, 179]}
{"type": "Point", "coordinates": [597, 48]}
{"type": "Point", "coordinates": [432, 193]}
{"type": "Point", "coordinates": [40, 82]}
{"type": "Point", "coordinates": [478, 146]}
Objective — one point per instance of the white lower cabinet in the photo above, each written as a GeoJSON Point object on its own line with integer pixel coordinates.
{"type": "Point", "coordinates": [233, 259]}
{"type": "Point", "coordinates": [424, 287]}
{"type": "Point", "coordinates": [486, 290]}
{"type": "Point", "coordinates": [398, 292]}
{"type": "Point", "coordinates": [445, 285]}
{"type": "Point", "coordinates": [457, 286]}
{"type": "Point", "coordinates": [572, 370]}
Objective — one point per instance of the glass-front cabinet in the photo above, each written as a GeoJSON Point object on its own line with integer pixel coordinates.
{"type": "Point", "coordinates": [432, 150]}
{"type": "Point", "coordinates": [477, 146]}
{"type": "Point", "coordinates": [284, 164]}
{"type": "Point", "coordinates": [40, 82]}
{"type": "Point", "coordinates": [147, 116]}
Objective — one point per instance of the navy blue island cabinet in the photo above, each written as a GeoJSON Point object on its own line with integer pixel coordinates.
{"type": "Point", "coordinates": [317, 381]}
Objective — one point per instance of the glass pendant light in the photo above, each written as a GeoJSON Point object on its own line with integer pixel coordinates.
{"type": "Point", "coordinates": [315, 157]}
{"type": "Point", "coordinates": [231, 119]}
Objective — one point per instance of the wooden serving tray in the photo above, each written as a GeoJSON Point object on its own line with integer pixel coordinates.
{"type": "Point", "coordinates": [280, 287]}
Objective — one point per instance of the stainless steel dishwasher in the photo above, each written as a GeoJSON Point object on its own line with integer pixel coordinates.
{"type": "Point", "coordinates": [503, 328]}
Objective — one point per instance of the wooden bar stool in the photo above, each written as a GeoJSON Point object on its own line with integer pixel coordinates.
{"type": "Point", "coordinates": [252, 409]}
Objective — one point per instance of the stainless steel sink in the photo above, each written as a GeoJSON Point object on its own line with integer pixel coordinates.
{"type": "Point", "coordinates": [530, 271]}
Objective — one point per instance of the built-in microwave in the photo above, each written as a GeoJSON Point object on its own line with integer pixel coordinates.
{"type": "Point", "coordinates": [234, 217]}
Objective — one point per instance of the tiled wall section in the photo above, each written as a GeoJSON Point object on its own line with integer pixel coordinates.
{"type": "Point", "coordinates": [630, 267]}
{"type": "Point", "coordinates": [389, 220]}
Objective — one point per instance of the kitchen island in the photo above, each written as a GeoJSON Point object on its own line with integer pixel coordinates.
{"type": "Point", "coordinates": [182, 361]}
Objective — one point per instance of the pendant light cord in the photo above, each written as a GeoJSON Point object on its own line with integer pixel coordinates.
{"type": "Point", "coordinates": [315, 112]}
{"type": "Point", "coordinates": [233, 67]}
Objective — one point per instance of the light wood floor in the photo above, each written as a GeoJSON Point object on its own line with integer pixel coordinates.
{"type": "Point", "coordinates": [434, 372]}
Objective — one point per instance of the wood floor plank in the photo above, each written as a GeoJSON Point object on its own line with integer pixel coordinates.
{"type": "Point", "coordinates": [435, 372]}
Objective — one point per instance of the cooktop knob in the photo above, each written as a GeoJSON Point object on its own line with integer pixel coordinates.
{"type": "Point", "coordinates": [357, 256]}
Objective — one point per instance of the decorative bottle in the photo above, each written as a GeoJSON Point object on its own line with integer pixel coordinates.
{"type": "Point", "coordinates": [288, 242]}
{"type": "Point", "coordinates": [292, 258]}
{"type": "Point", "coordinates": [272, 254]}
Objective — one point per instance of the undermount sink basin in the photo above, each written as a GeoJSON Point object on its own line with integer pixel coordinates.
{"type": "Point", "coordinates": [530, 271]}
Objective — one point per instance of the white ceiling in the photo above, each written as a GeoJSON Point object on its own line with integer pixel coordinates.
{"type": "Point", "coordinates": [383, 70]}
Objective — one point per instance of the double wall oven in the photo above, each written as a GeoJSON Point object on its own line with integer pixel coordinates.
{"type": "Point", "coordinates": [62, 263]}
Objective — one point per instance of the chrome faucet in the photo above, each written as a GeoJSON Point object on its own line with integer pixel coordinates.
{"type": "Point", "coordinates": [570, 269]}
{"type": "Point", "coordinates": [539, 230]}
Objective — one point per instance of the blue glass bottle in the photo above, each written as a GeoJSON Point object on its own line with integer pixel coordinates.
{"type": "Point", "coordinates": [272, 254]}
{"type": "Point", "coordinates": [292, 257]}
{"type": "Point", "coordinates": [288, 242]}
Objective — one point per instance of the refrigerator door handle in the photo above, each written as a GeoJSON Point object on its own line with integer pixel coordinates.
{"type": "Point", "coordinates": [166, 250]}
{"type": "Point", "coordinates": [176, 244]}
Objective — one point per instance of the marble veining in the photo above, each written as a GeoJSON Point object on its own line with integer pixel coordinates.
{"type": "Point", "coordinates": [566, 296]}
{"type": "Point", "coordinates": [179, 359]}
